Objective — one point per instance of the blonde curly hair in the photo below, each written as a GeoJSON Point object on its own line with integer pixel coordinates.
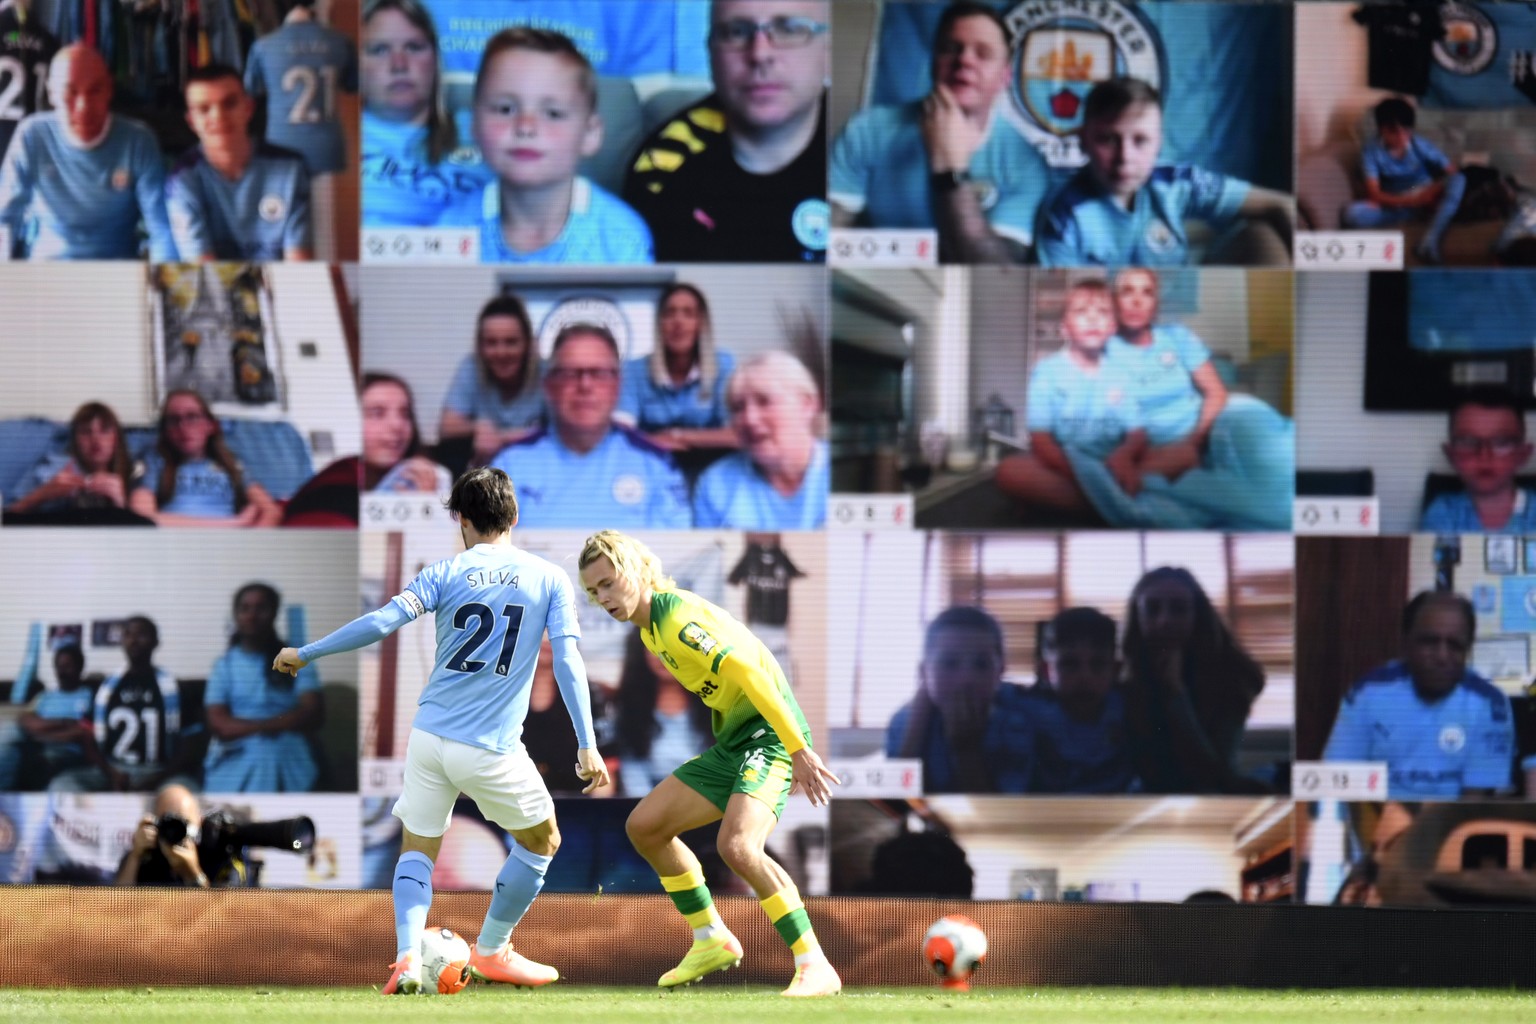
{"type": "Point", "coordinates": [630, 558]}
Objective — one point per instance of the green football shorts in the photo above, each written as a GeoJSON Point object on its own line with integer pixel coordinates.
{"type": "Point", "coordinates": [760, 768]}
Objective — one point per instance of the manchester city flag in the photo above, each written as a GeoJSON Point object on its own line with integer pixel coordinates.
{"type": "Point", "coordinates": [1224, 71]}
{"type": "Point", "coordinates": [634, 37]}
{"type": "Point", "coordinates": [1484, 62]}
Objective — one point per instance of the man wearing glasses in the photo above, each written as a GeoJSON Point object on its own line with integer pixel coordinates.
{"type": "Point", "coordinates": [948, 161]}
{"type": "Point", "coordinates": [741, 176]}
{"type": "Point", "coordinates": [583, 470]}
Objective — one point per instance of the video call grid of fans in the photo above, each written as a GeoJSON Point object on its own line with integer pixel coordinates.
{"type": "Point", "coordinates": [326, 217]}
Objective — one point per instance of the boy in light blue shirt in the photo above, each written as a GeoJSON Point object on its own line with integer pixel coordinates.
{"type": "Point", "coordinates": [77, 181]}
{"type": "Point", "coordinates": [229, 198]}
{"type": "Point", "coordinates": [1405, 173]}
{"type": "Point", "coordinates": [1442, 729]}
{"type": "Point", "coordinates": [1124, 209]}
{"type": "Point", "coordinates": [1487, 448]}
{"type": "Point", "coordinates": [535, 120]}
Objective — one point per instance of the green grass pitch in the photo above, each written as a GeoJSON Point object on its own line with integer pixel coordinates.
{"type": "Point", "coordinates": [495, 1005]}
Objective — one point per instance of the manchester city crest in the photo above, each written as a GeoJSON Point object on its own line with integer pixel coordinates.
{"type": "Point", "coordinates": [1470, 41]}
{"type": "Point", "coordinates": [1062, 49]}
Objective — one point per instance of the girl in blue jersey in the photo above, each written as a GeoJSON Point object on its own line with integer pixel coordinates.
{"type": "Point", "coordinates": [192, 478]}
{"type": "Point", "coordinates": [94, 473]}
{"type": "Point", "coordinates": [676, 395]}
{"type": "Point", "coordinates": [260, 717]}
{"type": "Point", "coordinates": [411, 172]}
{"type": "Point", "coordinates": [494, 397]}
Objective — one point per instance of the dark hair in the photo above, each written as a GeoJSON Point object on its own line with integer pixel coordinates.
{"type": "Point", "coordinates": [1222, 673]}
{"type": "Point", "coordinates": [73, 650]}
{"type": "Point", "coordinates": [636, 701]}
{"type": "Point", "coordinates": [214, 72]}
{"type": "Point", "coordinates": [442, 136]}
{"type": "Point", "coordinates": [965, 617]}
{"type": "Point", "coordinates": [371, 476]}
{"type": "Point", "coordinates": [507, 304]}
{"type": "Point", "coordinates": [1426, 597]}
{"type": "Point", "coordinates": [588, 330]}
{"type": "Point", "coordinates": [961, 9]}
{"type": "Point", "coordinates": [217, 452]}
{"type": "Point", "coordinates": [1081, 626]}
{"type": "Point", "coordinates": [1113, 96]}
{"type": "Point", "coordinates": [269, 644]}
{"type": "Point", "coordinates": [1394, 112]}
{"type": "Point", "coordinates": [149, 624]}
{"type": "Point", "coordinates": [486, 498]}
{"type": "Point", "coordinates": [920, 864]}
{"type": "Point", "coordinates": [121, 465]}
{"type": "Point", "coordinates": [1486, 397]}
{"type": "Point", "coordinates": [538, 40]}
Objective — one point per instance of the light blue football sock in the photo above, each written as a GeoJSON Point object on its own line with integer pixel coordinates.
{"type": "Point", "coordinates": [518, 882]}
{"type": "Point", "coordinates": [413, 897]}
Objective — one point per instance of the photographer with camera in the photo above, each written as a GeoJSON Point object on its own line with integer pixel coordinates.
{"type": "Point", "coordinates": [176, 846]}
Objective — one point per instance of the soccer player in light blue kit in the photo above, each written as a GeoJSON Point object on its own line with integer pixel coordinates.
{"type": "Point", "coordinates": [584, 469]}
{"type": "Point", "coordinates": [1443, 730]}
{"type": "Point", "coordinates": [299, 68]}
{"type": "Point", "coordinates": [492, 604]}
{"type": "Point", "coordinates": [229, 197]}
{"type": "Point", "coordinates": [1405, 173]}
{"type": "Point", "coordinates": [1487, 448]}
{"type": "Point", "coordinates": [535, 120]}
{"type": "Point", "coordinates": [1125, 209]}
{"type": "Point", "coordinates": [947, 162]}
{"type": "Point", "coordinates": [77, 180]}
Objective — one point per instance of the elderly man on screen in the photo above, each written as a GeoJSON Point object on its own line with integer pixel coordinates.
{"type": "Point", "coordinates": [583, 470]}
{"type": "Point", "coordinates": [77, 180]}
{"type": "Point", "coordinates": [1443, 730]}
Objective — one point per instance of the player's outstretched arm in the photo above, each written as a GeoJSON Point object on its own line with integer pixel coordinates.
{"type": "Point", "coordinates": [360, 632]}
{"type": "Point", "coordinates": [812, 777]}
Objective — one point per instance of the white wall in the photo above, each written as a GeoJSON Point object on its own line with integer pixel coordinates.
{"type": "Point", "coordinates": [1331, 56]}
{"type": "Point", "coordinates": [78, 332]}
{"type": "Point", "coordinates": [183, 579]}
{"type": "Point", "coordinates": [1333, 430]}
{"type": "Point", "coordinates": [419, 323]}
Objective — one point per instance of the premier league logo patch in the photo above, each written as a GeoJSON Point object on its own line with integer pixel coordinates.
{"type": "Point", "coordinates": [271, 208]}
{"type": "Point", "coordinates": [1062, 51]}
{"type": "Point", "coordinates": [1470, 40]}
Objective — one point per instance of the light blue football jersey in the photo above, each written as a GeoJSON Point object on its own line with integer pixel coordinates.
{"type": "Point", "coordinates": [1464, 741]}
{"type": "Point", "coordinates": [1161, 377]}
{"type": "Point", "coordinates": [1081, 226]}
{"type": "Point", "coordinates": [475, 398]}
{"type": "Point", "coordinates": [732, 493]}
{"type": "Point", "coordinates": [301, 68]}
{"type": "Point", "coordinates": [879, 170]}
{"type": "Point", "coordinates": [75, 203]}
{"type": "Point", "coordinates": [623, 483]}
{"type": "Point", "coordinates": [658, 406]}
{"type": "Point", "coordinates": [401, 186]}
{"type": "Point", "coordinates": [260, 217]}
{"type": "Point", "coordinates": [1089, 412]}
{"type": "Point", "coordinates": [601, 228]}
{"type": "Point", "coordinates": [492, 605]}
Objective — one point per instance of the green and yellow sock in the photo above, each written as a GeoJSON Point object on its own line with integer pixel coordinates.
{"type": "Point", "coordinates": [691, 897]}
{"type": "Point", "coordinates": [785, 909]}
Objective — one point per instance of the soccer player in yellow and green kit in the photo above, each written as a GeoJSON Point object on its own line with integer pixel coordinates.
{"type": "Point", "coordinates": [761, 755]}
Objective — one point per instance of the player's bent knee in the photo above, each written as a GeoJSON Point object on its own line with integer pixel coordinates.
{"type": "Point", "coordinates": [738, 852]}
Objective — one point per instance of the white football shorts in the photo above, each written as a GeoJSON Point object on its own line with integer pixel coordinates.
{"type": "Point", "coordinates": [506, 787]}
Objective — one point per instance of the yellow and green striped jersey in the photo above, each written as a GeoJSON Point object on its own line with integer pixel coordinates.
{"type": "Point", "coordinates": [719, 659]}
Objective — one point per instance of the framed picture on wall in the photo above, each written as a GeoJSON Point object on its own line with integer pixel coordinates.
{"type": "Point", "coordinates": [213, 334]}
{"type": "Point", "coordinates": [1501, 555]}
{"type": "Point", "coordinates": [1501, 657]}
